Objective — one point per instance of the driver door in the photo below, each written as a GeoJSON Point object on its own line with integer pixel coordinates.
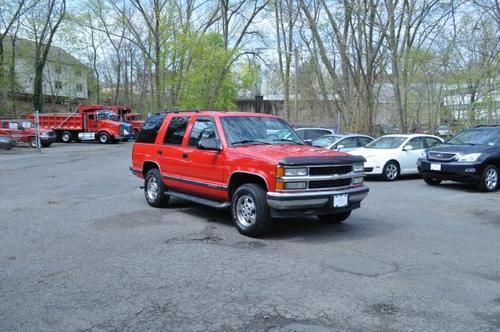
{"type": "Point", "coordinates": [409, 157]}
{"type": "Point", "coordinates": [204, 168]}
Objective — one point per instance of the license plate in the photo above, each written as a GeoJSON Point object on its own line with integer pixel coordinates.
{"type": "Point", "coordinates": [435, 167]}
{"type": "Point", "coordinates": [340, 200]}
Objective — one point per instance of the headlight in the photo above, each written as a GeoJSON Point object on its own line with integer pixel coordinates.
{"type": "Point", "coordinates": [469, 157]}
{"type": "Point", "coordinates": [295, 171]}
{"type": "Point", "coordinates": [357, 180]}
{"type": "Point", "coordinates": [358, 168]}
{"type": "Point", "coordinates": [295, 185]}
{"type": "Point", "coordinates": [423, 155]}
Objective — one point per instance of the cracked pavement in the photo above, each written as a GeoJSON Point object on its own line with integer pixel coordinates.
{"type": "Point", "coordinates": [80, 250]}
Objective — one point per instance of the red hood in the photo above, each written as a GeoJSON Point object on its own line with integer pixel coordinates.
{"type": "Point", "coordinates": [276, 153]}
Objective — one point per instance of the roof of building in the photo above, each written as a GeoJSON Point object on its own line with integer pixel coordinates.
{"type": "Point", "coordinates": [25, 48]}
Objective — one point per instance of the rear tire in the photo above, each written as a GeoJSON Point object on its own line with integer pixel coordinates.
{"type": "Point", "coordinates": [104, 138]}
{"type": "Point", "coordinates": [391, 171]}
{"type": "Point", "coordinates": [66, 137]}
{"type": "Point", "coordinates": [249, 210]}
{"type": "Point", "coordinates": [154, 189]}
{"type": "Point", "coordinates": [431, 181]}
{"type": "Point", "coordinates": [489, 179]}
{"type": "Point", "coordinates": [335, 218]}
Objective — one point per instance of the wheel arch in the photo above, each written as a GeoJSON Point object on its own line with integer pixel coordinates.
{"type": "Point", "coordinates": [239, 177]}
{"type": "Point", "coordinates": [149, 165]}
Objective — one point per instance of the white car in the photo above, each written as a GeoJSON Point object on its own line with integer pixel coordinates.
{"type": "Point", "coordinates": [393, 155]}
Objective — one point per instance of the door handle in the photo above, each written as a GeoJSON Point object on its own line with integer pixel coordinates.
{"type": "Point", "coordinates": [160, 152]}
{"type": "Point", "coordinates": [184, 156]}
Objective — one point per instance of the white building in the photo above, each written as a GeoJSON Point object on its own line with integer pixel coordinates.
{"type": "Point", "coordinates": [64, 77]}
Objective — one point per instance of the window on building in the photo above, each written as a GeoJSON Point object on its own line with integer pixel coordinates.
{"type": "Point", "coordinates": [79, 88]}
{"type": "Point", "coordinates": [58, 69]}
{"type": "Point", "coordinates": [58, 85]}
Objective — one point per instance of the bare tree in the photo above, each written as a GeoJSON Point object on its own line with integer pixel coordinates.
{"type": "Point", "coordinates": [42, 24]}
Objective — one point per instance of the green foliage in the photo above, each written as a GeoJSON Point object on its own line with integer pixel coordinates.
{"type": "Point", "coordinates": [204, 79]}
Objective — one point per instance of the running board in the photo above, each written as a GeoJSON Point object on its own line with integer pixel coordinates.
{"type": "Point", "coordinates": [199, 200]}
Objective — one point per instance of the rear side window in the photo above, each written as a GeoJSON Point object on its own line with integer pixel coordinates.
{"type": "Point", "coordinates": [150, 129]}
{"type": "Point", "coordinates": [176, 130]}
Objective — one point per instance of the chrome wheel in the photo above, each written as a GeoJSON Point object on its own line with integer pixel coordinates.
{"type": "Point", "coordinates": [152, 189]}
{"type": "Point", "coordinates": [491, 179]}
{"type": "Point", "coordinates": [391, 171]}
{"type": "Point", "coordinates": [246, 211]}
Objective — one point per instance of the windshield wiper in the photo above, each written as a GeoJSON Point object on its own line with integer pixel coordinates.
{"type": "Point", "coordinates": [287, 140]}
{"type": "Point", "coordinates": [250, 141]}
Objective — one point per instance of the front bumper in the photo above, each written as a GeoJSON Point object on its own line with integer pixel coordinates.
{"type": "Point", "coordinates": [284, 204]}
{"type": "Point", "coordinates": [454, 171]}
{"type": "Point", "coordinates": [374, 167]}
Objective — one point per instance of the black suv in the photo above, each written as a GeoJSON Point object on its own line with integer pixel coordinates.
{"type": "Point", "coordinates": [472, 156]}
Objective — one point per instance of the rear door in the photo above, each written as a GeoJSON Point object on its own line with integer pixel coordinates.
{"type": "Point", "coordinates": [170, 152]}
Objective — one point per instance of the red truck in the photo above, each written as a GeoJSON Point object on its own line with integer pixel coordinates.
{"type": "Point", "coordinates": [23, 131]}
{"type": "Point", "coordinates": [127, 115]}
{"type": "Point", "coordinates": [87, 123]}
{"type": "Point", "coordinates": [238, 160]}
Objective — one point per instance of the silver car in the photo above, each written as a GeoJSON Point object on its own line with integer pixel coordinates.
{"type": "Point", "coordinates": [344, 143]}
{"type": "Point", "coordinates": [7, 142]}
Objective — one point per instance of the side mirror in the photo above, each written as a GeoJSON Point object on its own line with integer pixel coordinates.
{"type": "Point", "coordinates": [209, 144]}
{"type": "Point", "coordinates": [408, 148]}
{"type": "Point", "coordinates": [339, 147]}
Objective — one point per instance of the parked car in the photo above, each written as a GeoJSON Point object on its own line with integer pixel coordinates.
{"type": "Point", "coordinates": [236, 160]}
{"type": "Point", "coordinates": [23, 131]}
{"type": "Point", "coordinates": [443, 131]}
{"type": "Point", "coordinates": [7, 142]}
{"type": "Point", "coordinates": [472, 156]}
{"type": "Point", "coordinates": [394, 155]}
{"type": "Point", "coordinates": [308, 134]}
{"type": "Point", "coordinates": [344, 143]}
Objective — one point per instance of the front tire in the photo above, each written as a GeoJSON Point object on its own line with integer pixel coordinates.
{"type": "Point", "coordinates": [431, 181]}
{"type": "Point", "coordinates": [391, 171]}
{"type": "Point", "coordinates": [154, 189]}
{"type": "Point", "coordinates": [249, 210]}
{"type": "Point", "coordinates": [489, 179]}
{"type": "Point", "coordinates": [104, 138]}
{"type": "Point", "coordinates": [335, 218]}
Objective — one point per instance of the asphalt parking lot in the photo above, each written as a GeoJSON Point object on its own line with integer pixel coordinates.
{"type": "Point", "coordinates": [81, 250]}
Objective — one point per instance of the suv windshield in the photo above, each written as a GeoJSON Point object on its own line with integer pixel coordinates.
{"type": "Point", "coordinates": [388, 142]}
{"type": "Point", "coordinates": [258, 130]}
{"type": "Point", "coordinates": [478, 136]}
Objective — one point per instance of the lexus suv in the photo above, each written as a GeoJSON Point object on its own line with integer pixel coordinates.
{"type": "Point", "coordinates": [472, 156]}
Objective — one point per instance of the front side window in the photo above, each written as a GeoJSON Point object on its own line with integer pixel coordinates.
{"type": "Point", "coordinates": [176, 130]}
{"type": "Point", "coordinates": [202, 128]}
{"type": "Point", "coordinates": [150, 129]}
{"type": "Point", "coordinates": [417, 143]}
{"type": "Point", "coordinates": [241, 130]}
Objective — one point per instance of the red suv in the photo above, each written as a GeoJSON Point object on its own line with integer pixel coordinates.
{"type": "Point", "coordinates": [238, 160]}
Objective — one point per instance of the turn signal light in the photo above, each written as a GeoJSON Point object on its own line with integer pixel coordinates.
{"type": "Point", "coordinates": [280, 185]}
{"type": "Point", "coordinates": [280, 171]}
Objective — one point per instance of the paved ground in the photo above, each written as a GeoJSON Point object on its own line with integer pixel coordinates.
{"type": "Point", "coordinates": [81, 250]}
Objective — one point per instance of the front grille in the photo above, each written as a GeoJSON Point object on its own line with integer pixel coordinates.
{"type": "Point", "coordinates": [441, 156]}
{"type": "Point", "coordinates": [330, 170]}
{"type": "Point", "coordinates": [329, 183]}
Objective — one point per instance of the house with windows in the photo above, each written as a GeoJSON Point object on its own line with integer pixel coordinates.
{"type": "Point", "coordinates": [64, 76]}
